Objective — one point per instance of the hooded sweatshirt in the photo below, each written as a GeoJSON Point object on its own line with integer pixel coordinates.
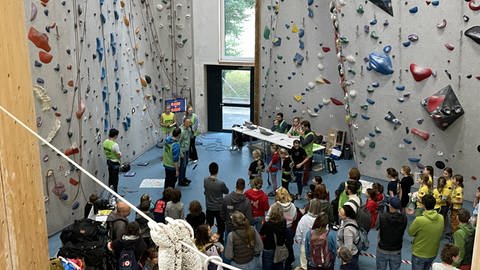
{"type": "Point", "coordinates": [232, 202]}
{"type": "Point", "coordinates": [391, 228]}
{"type": "Point", "coordinates": [304, 225]}
{"type": "Point", "coordinates": [258, 202]}
{"type": "Point", "coordinates": [289, 213]}
{"type": "Point", "coordinates": [171, 154]}
{"type": "Point", "coordinates": [460, 237]}
{"type": "Point", "coordinates": [427, 231]}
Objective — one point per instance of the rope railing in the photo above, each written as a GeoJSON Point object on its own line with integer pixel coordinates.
{"type": "Point", "coordinates": [207, 259]}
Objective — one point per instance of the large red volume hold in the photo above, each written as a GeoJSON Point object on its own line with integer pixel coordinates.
{"type": "Point", "coordinates": [420, 73]}
{"type": "Point", "coordinates": [40, 40]}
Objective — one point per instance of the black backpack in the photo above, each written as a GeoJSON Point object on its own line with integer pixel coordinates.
{"type": "Point", "coordinates": [92, 252]}
{"type": "Point", "coordinates": [83, 230]}
{"type": "Point", "coordinates": [127, 260]}
{"type": "Point", "coordinates": [331, 166]}
{"type": "Point", "coordinates": [364, 218]}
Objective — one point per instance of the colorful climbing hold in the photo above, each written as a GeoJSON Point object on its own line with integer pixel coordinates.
{"type": "Point", "coordinates": [336, 101]}
{"type": "Point", "coordinates": [380, 62]}
{"type": "Point", "coordinates": [420, 133]}
{"type": "Point", "coordinates": [474, 33]}
{"type": "Point", "coordinates": [38, 39]}
{"type": "Point", "coordinates": [420, 73]}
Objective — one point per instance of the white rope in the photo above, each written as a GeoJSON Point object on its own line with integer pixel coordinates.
{"type": "Point", "coordinates": [194, 249]}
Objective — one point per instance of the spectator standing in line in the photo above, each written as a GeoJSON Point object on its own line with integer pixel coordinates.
{"type": "Point", "coordinates": [353, 175]}
{"type": "Point", "coordinates": [449, 255]}
{"type": "Point", "coordinates": [214, 189]}
{"type": "Point", "coordinates": [113, 155]}
{"type": "Point", "coordinates": [464, 239]}
{"type": "Point", "coordinates": [427, 231]}
{"type": "Point", "coordinates": [304, 225]}
{"type": "Point", "coordinates": [185, 136]}
{"type": "Point", "coordinates": [196, 216]}
{"type": "Point", "coordinates": [348, 233]}
{"type": "Point", "coordinates": [258, 202]}
{"type": "Point", "coordinates": [457, 201]}
{"type": "Point", "coordinates": [236, 201]}
{"type": "Point", "coordinates": [393, 189]}
{"type": "Point", "coordinates": [391, 226]}
{"type": "Point", "coordinates": [273, 233]}
{"type": "Point", "coordinates": [406, 184]}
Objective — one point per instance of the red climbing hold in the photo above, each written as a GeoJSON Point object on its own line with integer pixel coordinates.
{"type": "Point", "coordinates": [40, 40]}
{"type": "Point", "coordinates": [433, 102]}
{"type": "Point", "coordinates": [70, 83]}
{"type": "Point", "coordinates": [474, 177]}
{"type": "Point", "coordinates": [45, 57]}
{"type": "Point", "coordinates": [336, 101]}
{"type": "Point", "coordinates": [73, 181]}
{"type": "Point", "coordinates": [420, 133]}
{"type": "Point", "coordinates": [72, 151]}
{"type": "Point", "coordinates": [420, 73]}
{"type": "Point", "coordinates": [325, 49]}
{"type": "Point", "coordinates": [474, 5]}
{"type": "Point", "coordinates": [449, 46]}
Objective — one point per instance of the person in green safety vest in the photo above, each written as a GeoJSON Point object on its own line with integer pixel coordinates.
{"type": "Point", "coordinates": [167, 121]}
{"type": "Point", "coordinates": [296, 128]}
{"type": "Point", "coordinates": [279, 125]}
{"type": "Point", "coordinates": [307, 138]}
{"type": "Point", "coordinates": [184, 141]}
{"type": "Point", "coordinates": [113, 155]}
{"type": "Point", "coordinates": [171, 158]}
{"type": "Point", "coordinates": [193, 155]}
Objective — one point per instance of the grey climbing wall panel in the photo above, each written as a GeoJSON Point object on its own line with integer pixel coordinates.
{"type": "Point", "coordinates": [111, 64]}
{"type": "Point", "coordinates": [298, 59]}
{"type": "Point", "coordinates": [428, 34]}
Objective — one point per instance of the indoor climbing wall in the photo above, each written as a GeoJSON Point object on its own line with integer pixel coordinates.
{"type": "Point", "coordinates": [411, 81]}
{"type": "Point", "coordinates": [98, 65]}
{"type": "Point", "coordinates": [299, 64]}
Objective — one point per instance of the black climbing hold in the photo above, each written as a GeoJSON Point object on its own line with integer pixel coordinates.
{"type": "Point", "coordinates": [439, 164]}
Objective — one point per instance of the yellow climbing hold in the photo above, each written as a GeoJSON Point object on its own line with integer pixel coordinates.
{"type": "Point", "coordinates": [298, 98]}
{"type": "Point", "coordinates": [126, 21]}
{"type": "Point", "coordinates": [141, 62]}
{"type": "Point", "coordinates": [143, 82]}
{"type": "Point", "coordinates": [294, 28]}
{"type": "Point", "coordinates": [122, 3]}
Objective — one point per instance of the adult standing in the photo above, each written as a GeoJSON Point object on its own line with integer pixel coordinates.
{"type": "Point", "coordinates": [304, 225]}
{"type": "Point", "coordinates": [427, 231]}
{"type": "Point", "coordinates": [113, 155]}
{"type": "Point", "coordinates": [300, 158]}
{"type": "Point", "coordinates": [348, 233]}
{"type": "Point", "coordinates": [131, 241]}
{"type": "Point", "coordinates": [117, 221]}
{"type": "Point", "coordinates": [279, 125]}
{"type": "Point", "coordinates": [258, 202]}
{"type": "Point", "coordinates": [167, 121]}
{"type": "Point", "coordinates": [273, 232]}
{"type": "Point", "coordinates": [185, 136]}
{"type": "Point", "coordinates": [193, 155]}
{"type": "Point", "coordinates": [171, 158]}
{"type": "Point", "coordinates": [214, 190]}
{"type": "Point", "coordinates": [307, 138]}
{"type": "Point", "coordinates": [391, 226]}
{"type": "Point", "coordinates": [464, 238]}
{"type": "Point", "coordinates": [236, 201]}
{"type": "Point", "coordinates": [318, 233]}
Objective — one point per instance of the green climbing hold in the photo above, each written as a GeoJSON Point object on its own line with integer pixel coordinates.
{"type": "Point", "coordinates": [266, 32]}
{"type": "Point", "coordinates": [371, 145]}
{"type": "Point", "coordinates": [279, 57]}
{"type": "Point", "coordinates": [374, 35]}
{"type": "Point", "coordinates": [343, 40]}
{"type": "Point", "coordinates": [362, 154]}
{"type": "Point", "coordinates": [364, 107]}
{"type": "Point", "coordinates": [378, 130]}
{"type": "Point", "coordinates": [351, 71]}
{"type": "Point", "coordinates": [354, 115]}
{"type": "Point", "coordinates": [360, 9]}
{"type": "Point", "coordinates": [370, 89]}
{"type": "Point", "coordinates": [378, 162]}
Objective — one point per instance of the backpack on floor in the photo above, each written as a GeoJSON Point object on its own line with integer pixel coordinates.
{"type": "Point", "coordinates": [127, 260]}
{"type": "Point", "coordinates": [364, 218]}
{"type": "Point", "coordinates": [159, 211]}
{"type": "Point", "coordinates": [92, 252]}
{"type": "Point", "coordinates": [319, 253]}
{"type": "Point", "coordinates": [83, 230]}
{"type": "Point", "coordinates": [363, 243]}
{"type": "Point", "coordinates": [331, 166]}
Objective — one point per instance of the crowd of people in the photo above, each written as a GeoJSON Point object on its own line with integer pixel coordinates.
{"type": "Point", "coordinates": [248, 232]}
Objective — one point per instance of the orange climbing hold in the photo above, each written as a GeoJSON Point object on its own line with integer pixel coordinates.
{"type": "Point", "coordinates": [70, 83]}
{"type": "Point", "coordinates": [122, 3]}
{"type": "Point", "coordinates": [73, 181]}
{"type": "Point", "coordinates": [45, 57]}
{"type": "Point", "coordinates": [126, 21]}
{"type": "Point", "coordinates": [143, 82]}
{"type": "Point", "coordinates": [81, 109]}
{"type": "Point", "coordinates": [40, 40]}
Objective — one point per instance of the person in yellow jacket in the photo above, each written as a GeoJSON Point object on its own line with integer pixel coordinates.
{"type": "Point", "coordinates": [457, 201]}
{"type": "Point", "coordinates": [425, 188]}
{"type": "Point", "coordinates": [113, 155]}
{"type": "Point", "coordinates": [442, 196]}
{"type": "Point", "coordinates": [167, 121]}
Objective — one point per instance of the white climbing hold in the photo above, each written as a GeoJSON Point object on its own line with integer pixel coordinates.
{"type": "Point", "coordinates": [311, 85]}
{"type": "Point", "coordinates": [43, 97]}
{"type": "Point", "coordinates": [350, 59]}
{"type": "Point", "coordinates": [179, 5]}
{"type": "Point", "coordinates": [312, 113]}
{"type": "Point", "coordinates": [160, 26]}
{"type": "Point", "coordinates": [53, 131]}
{"type": "Point", "coordinates": [159, 7]}
{"type": "Point", "coordinates": [440, 153]}
{"type": "Point", "coordinates": [188, 16]}
{"type": "Point", "coordinates": [361, 143]}
{"type": "Point", "coordinates": [320, 66]}
{"type": "Point", "coordinates": [325, 101]}
{"type": "Point", "coordinates": [320, 55]}
{"type": "Point", "coordinates": [401, 146]}
{"type": "Point", "coordinates": [355, 126]}
{"type": "Point", "coordinates": [179, 26]}
{"type": "Point", "coordinates": [352, 93]}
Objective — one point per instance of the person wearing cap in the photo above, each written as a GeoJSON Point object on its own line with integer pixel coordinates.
{"type": "Point", "coordinates": [391, 226]}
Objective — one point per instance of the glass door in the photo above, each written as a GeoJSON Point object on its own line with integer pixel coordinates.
{"type": "Point", "coordinates": [230, 96]}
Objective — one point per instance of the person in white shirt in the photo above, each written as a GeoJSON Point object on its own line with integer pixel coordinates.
{"type": "Point", "coordinates": [450, 253]}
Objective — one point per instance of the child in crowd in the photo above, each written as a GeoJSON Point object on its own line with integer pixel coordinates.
{"type": "Point", "coordinates": [345, 256]}
{"type": "Point", "coordinates": [151, 260]}
{"type": "Point", "coordinates": [196, 217]}
{"type": "Point", "coordinates": [476, 204]}
{"type": "Point", "coordinates": [448, 255]}
{"type": "Point", "coordinates": [160, 204]}
{"type": "Point", "coordinates": [174, 208]}
{"type": "Point", "coordinates": [335, 210]}
{"type": "Point", "coordinates": [258, 202]}
{"type": "Point", "coordinates": [393, 188]}
{"type": "Point", "coordinates": [442, 194]}
{"type": "Point", "coordinates": [257, 166]}
{"type": "Point", "coordinates": [317, 180]}
{"type": "Point", "coordinates": [424, 189]}
{"type": "Point", "coordinates": [428, 170]}
{"type": "Point", "coordinates": [379, 197]}
{"type": "Point", "coordinates": [406, 184]}
{"type": "Point", "coordinates": [372, 206]}
{"type": "Point", "coordinates": [286, 165]}
{"type": "Point", "coordinates": [273, 167]}
{"type": "Point", "coordinates": [448, 174]}
{"type": "Point", "coordinates": [457, 200]}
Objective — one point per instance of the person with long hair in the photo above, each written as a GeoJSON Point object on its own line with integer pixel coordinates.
{"type": "Point", "coordinates": [258, 202]}
{"type": "Point", "coordinates": [320, 229]}
{"type": "Point", "coordinates": [243, 243]}
{"type": "Point", "coordinates": [196, 216]}
{"type": "Point", "coordinates": [193, 155]}
{"type": "Point", "coordinates": [204, 243]}
{"type": "Point", "coordinates": [304, 225]}
{"type": "Point", "coordinates": [424, 189]}
{"type": "Point", "coordinates": [273, 233]}
{"type": "Point", "coordinates": [348, 233]}
{"type": "Point", "coordinates": [406, 184]}
{"type": "Point", "coordinates": [442, 195]}
{"type": "Point", "coordinates": [457, 201]}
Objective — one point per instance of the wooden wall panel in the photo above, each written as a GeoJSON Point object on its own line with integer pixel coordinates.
{"type": "Point", "coordinates": [23, 238]}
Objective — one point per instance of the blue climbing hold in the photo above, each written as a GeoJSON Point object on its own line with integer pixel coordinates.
{"type": "Point", "coordinates": [414, 159]}
{"type": "Point", "coordinates": [387, 49]}
{"type": "Point", "coordinates": [310, 2]}
{"type": "Point", "coordinates": [407, 141]}
{"type": "Point", "coordinates": [301, 45]}
{"type": "Point", "coordinates": [406, 43]}
{"type": "Point", "coordinates": [365, 117]}
{"type": "Point", "coordinates": [371, 134]}
{"type": "Point", "coordinates": [115, 15]}
{"type": "Point", "coordinates": [373, 22]}
{"type": "Point", "coordinates": [125, 125]}
{"type": "Point", "coordinates": [37, 64]}
{"type": "Point", "coordinates": [370, 101]}
{"type": "Point", "coordinates": [75, 205]}
{"type": "Point", "coordinates": [435, 3]}
{"type": "Point", "coordinates": [277, 41]}
{"type": "Point", "coordinates": [107, 108]}
{"type": "Point", "coordinates": [129, 120]}
{"type": "Point", "coordinates": [101, 2]}
{"type": "Point", "coordinates": [115, 67]}
{"type": "Point", "coordinates": [117, 86]}
{"type": "Point", "coordinates": [310, 13]}
{"type": "Point", "coordinates": [104, 73]}
{"type": "Point", "coordinates": [105, 125]}
{"type": "Point", "coordinates": [113, 44]}
{"type": "Point", "coordinates": [119, 98]}
{"type": "Point", "coordinates": [298, 59]}
{"type": "Point", "coordinates": [40, 81]}
{"type": "Point", "coordinates": [301, 33]}
{"type": "Point", "coordinates": [102, 18]}
{"type": "Point", "coordinates": [413, 10]}
{"type": "Point", "coordinates": [380, 62]}
{"type": "Point", "coordinates": [104, 93]}
{"type": "Point", "coordinates": [400, 87]}
{"type": "Point", "coordinates": [118, 114]}
{"type": "Point", "coordinates": [99, 50]}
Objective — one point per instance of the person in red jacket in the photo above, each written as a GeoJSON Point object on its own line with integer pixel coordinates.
{"type": "Point", "coordinates": [258, 202]}
{"type": "Point", "coordinates": [372, 206]}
